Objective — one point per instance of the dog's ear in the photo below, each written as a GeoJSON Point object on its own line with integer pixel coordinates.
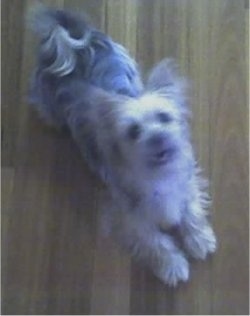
{"type": "Point", "coordinates": [165, 78]}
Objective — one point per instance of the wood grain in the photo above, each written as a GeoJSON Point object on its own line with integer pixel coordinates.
{"type": "Point", "coordinates": [54, 260]}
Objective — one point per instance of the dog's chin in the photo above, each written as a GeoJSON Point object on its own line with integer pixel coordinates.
{"type": "Point", "coordinates": [161, 158]}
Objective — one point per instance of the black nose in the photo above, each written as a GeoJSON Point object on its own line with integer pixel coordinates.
{"type": "Point", "coordinates": [158, 140]}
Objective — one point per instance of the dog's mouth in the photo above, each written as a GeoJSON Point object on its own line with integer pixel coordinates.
{"type": "Point", "coordinates": [162, 157]}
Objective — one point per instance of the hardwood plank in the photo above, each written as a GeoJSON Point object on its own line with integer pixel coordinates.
{"type": "Point", "coordinates": [12, 44]}
{"type": "Point", "coordinates": [122, 22]}
{"type": "Point", "coordinates": [111, 286]}
{"type": "Point", "coordinates": [228, 150]}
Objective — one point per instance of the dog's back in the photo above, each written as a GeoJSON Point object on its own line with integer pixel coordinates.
{"type": "Point", "coordinates": [73, 53]}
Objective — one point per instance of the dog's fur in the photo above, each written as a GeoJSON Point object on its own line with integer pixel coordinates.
{"type": "Point", "coordinates": [135, 138]}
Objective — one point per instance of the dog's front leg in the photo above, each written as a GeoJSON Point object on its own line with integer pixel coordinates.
{"type": "Point", "coordinates": [198, 236]}
{"type": "Point", "coordinates": [167, 261]}
{"type": "Point", "coordinates": [158, 251]}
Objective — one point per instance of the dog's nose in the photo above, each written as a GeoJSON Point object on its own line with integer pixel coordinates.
{"type": "Point", "coordinates": [158, 140]}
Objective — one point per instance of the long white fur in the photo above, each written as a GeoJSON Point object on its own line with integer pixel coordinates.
{"type": "Point", "coordinates": [152, 178]}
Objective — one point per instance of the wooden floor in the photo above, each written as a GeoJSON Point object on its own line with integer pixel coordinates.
{"type": "Point", "coordinates": [54, 261]}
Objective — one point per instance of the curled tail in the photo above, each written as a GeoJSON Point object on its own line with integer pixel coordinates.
{"type": "Point", "coordinates": [64, 40]}
{"type": "Point", "coordinates": [62, 34]}
{"type": "Point", "coordinates": [72, 53]}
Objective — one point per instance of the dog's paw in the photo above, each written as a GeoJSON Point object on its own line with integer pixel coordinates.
{"type": "Point", "coordinates": [200, 244]}
{"type": "Point", "coordinates": [174, 270]}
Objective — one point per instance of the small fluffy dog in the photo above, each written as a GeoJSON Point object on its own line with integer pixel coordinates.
{"type": "Point", "coordinates": [135, 137]}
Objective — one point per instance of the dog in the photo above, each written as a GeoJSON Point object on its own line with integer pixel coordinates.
{"type": "Point", "coordinates": [134, 136]}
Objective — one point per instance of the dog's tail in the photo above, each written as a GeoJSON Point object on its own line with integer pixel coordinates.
{"type": "Point", "coordinates": [72, 52]}
{"type": "Point", "coordinates": [62, 34]}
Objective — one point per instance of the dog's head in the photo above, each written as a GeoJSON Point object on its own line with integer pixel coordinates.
{"type": "Point", "coordinates": [151, 130]}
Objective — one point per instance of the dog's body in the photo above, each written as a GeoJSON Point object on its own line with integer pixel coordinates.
{"type": "Point", "coordinates": [136, 139]}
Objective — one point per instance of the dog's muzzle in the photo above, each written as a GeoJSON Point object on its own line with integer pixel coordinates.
{"type": "Point", "coordinates": [160, 149]}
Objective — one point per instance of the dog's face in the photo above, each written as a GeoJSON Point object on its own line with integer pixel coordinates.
{"type": "Point", "coordinates": [150, 131]}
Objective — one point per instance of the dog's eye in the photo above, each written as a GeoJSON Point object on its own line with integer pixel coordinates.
{"type": "Point", "coordinates": [164, 117]}
{"type": "Point", "coordinates": [134, 131]}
